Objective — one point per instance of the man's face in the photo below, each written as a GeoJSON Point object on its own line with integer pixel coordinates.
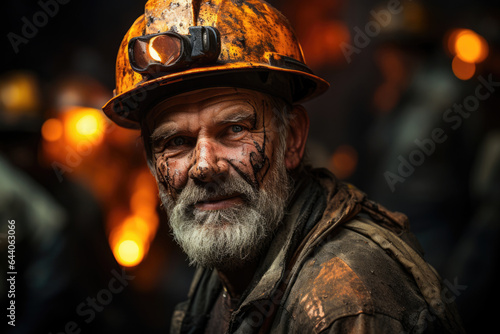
{"type": "Point", "coordinates": [219, 163]}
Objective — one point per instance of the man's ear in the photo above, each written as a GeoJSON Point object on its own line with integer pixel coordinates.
{"type": "Point", "coordinates": [296, 137]}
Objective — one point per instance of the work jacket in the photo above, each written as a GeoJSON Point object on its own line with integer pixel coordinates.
{"type": "Point", "coordinates": [338, 263]}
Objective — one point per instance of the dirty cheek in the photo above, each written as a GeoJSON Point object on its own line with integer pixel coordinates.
{"type": "Point", "coordinates": [249, 163]}
{"type": "Point", "coordinates": [258, 157]}
{"type": "Point", "coordinates": [259, 162]}
{"type": "Point", "coordinates": [171, 174]}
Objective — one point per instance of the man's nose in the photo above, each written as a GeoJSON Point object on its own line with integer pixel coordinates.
{"type": "Point", "coordinates": [207, 163]}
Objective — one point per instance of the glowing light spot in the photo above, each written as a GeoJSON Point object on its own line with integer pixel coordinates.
{"type": "Point", "coordinates": [470, 47]}
{"type": "Point", "coordinates": [344, 161]}
{"type": "Point", "coordinates": [463, 70]}
{"type": "Point", "coordinates": [19, 94]}
{"type": "Point", "coordinates": [129, 253]}
{"type": "Point", "coordinates": [144, 200]}
{"type": "Point", "coordinates": [52, 129]}
{"type": "Point", "coordinates": [83, 125]}
{"type": "Point", "coordinates": [87, 125]}
{"type": "Point", "coordinates": [152, 51]}
{"type": "Point", "coordinates": [131, 238]}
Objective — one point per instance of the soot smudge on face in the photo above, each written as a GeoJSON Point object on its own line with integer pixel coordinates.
{"type": "Point", "coordinates": [164, 176]}
{"type": "Point", "coordinates": [242, 174]}
{"type": "Point", "coordinates": [259, 160]}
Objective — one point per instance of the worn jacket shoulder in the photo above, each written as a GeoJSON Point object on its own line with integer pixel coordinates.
{"type": "Point", "coordinates": [349, 275]}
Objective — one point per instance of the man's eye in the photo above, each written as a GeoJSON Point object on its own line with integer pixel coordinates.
{"type": "Point", "coordinates": [237, 128]}
{"type": "Point", "coordinates": [178, 141]}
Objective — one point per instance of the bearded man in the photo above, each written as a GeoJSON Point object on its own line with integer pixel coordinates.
{"type": "Point", "coordinates": [215, 88]}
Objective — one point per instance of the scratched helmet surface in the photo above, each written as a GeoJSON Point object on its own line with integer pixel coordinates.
{"type": "Point", "coordinates": [255, 49]}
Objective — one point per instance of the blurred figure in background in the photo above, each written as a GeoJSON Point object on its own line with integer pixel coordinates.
{"type": "Point", "coordinates": [62, 257]}
{"type": "Point", "coordinates": [428, 147]}
{"type": "Point", "coordinates": [57, 247]}
{"type": "Point", "coordinates": [417, 88]}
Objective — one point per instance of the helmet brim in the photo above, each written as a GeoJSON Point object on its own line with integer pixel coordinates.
{"type": "Point", "coordinates": [129, 108]}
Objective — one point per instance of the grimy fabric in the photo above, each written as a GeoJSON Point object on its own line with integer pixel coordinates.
{"type": "Point", "coordinates": [339, 263]}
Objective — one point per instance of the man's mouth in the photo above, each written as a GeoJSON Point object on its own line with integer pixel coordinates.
{"type": "Point", "coordinates": [219, 203]}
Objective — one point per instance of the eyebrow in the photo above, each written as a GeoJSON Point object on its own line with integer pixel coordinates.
{"type": "Point", "coordinates": [164, 131]}
{"type": "Point", "coordinates": [236, 118]}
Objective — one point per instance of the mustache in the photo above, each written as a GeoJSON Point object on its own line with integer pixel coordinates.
{"type": "Point", "coordinates": [231, 185]}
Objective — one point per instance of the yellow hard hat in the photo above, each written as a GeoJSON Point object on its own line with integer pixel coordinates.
{"type": "Point", "coordinates": [184, 45]}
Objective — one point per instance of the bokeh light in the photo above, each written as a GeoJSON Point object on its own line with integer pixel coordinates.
{"type": "Point", "coordinates": [463, 70]}
{"type": "Point", "coordinates": [344, 161]}
{"type": "Point", "coordinates": [19, 93]}
{"type": "Point", "coordinates": [52, 129]}
{"type": "Point", "coordinates": [139, 225]}
{"type": "Point", "coordinates": [470, 47]}
{"type": "Point", "coordinates": [130, 241]}
{"type": "Point", "coordinates": [83, 125]}
{"type": "Point", "coordinates": [129, 253]}
{"type": "Point", "coordinates": [467, 48]}
{"type": "Point", "coordinates": [87, 125]}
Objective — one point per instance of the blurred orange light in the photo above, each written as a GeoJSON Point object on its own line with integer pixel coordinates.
{"type": "Point", "coordinates": [344, 161]}
{"type": "Point", "coordinates": [469, 46]}
{"type": "Point", "coordinates": [143, 203]}
{"type": "Point", "coordinates": [138, 226]}
{"type": "Point", "coordinates": [52, 129]}
{"type": "Point", "coordinates": [84, 124]}
{"type": "Point", "coordinates": [321, 40]}
{"type": "Point", "coordinates": [144, 199]}
{"type": "Point", "coordinates": [19, 93]}
{"type": "Point", "coordinates": [131, 239]}
{"type": "Point", "coordinates": [87, 125]}
{"type": "Point", "coordinates": [129, 253]}
{"type": "Point", "coordinates": [463, 70]}
{"type": "Point", "coordinates": [134, 230]}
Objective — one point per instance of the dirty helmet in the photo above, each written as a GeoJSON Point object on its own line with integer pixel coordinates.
{"type": "Point", "coordinates": [184, 45]}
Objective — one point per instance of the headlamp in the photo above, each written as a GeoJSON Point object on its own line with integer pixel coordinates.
{"type": "Point", "coordinates": [169, 51]}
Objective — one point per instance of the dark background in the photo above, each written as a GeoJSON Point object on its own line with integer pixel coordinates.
{"type": "Point", "coordinates": [382, 98]}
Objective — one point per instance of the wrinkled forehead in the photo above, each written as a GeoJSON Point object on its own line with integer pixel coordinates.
{"type": "Point", "coordinates": [206, 98]}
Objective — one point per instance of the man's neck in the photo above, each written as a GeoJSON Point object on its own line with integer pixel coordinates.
{"type": "Point", "coordinates": [236, 281]}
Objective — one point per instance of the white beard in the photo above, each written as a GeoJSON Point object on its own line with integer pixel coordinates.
{"type": "Point", "coordinates": [231, 237]}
